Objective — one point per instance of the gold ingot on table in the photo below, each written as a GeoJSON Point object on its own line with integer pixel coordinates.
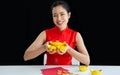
{"type": "Point", "coordinates": [83, 68]}
{"type": "Point", "coordinates": [96, 72]}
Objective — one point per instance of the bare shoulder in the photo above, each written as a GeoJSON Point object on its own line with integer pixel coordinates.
{"type": "Point", "coordinates": [43, 34]}
{"type": "Point", "coordinates": [41, 37]}
{"type": "Point", "coordinates": [78, 36]}
{"type": "Point", "coordinates": [79, 39]}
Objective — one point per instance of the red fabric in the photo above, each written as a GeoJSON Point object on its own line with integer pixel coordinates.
{"type": "Point", "coordinates": [54, 71]}
{"type": "Point", "coordinates": [69, 36]}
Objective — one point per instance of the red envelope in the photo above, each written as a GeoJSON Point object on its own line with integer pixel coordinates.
{"type": "Point", "coordinates": [53, 71]}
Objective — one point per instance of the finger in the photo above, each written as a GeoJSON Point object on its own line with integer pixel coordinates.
{"type": "Point", "coordinates": [52, 52]}
{"type": "Point", "coordinates": [60, 52]}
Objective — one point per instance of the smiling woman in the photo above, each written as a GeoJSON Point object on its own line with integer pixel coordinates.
{"type": "Point", "coordinates": [62, 33]}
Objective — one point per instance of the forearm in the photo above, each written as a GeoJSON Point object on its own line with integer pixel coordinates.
{"type": "Point", "coordinates": [79, 56]}
{"type": "Point", "coordinates": [34, 53]}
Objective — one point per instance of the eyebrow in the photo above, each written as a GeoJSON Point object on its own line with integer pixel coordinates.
{"type": "Point", "coordinates": [56, 13]}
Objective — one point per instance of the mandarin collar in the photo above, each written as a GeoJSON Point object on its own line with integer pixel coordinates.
{"type": "Point", "coordinates": [58, 30]}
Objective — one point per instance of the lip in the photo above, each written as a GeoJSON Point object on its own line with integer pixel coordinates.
{"type": "Point", "coordinates": [60, 22]}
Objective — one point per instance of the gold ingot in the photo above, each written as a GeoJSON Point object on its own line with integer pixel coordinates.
{"type": "Point", "coordinates": [57, 45]}
{"type": "Point", "coordinates": [50, 43]}
{"type": "Point", "coordinates": [51, 48]}
{"type": "Point", "coordinates": [96, 72]}
{"type": "Point", "coordinates": [64, 43]}
{"type": "Point", "coordinates": [62, 48]}
{"type": "Point", "coordinates": [83, 68]}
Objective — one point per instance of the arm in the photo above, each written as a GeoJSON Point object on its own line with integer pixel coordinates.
{"type": "Point", "coordinates": [82, 54]}
{"type": "Point", "coordinates": [36, 48]}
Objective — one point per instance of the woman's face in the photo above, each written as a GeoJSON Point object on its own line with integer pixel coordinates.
{"type": "Point", "coordinates": [60, 17]}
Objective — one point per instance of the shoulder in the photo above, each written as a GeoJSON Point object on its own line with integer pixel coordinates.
{"type": "Point", "coordinates": [42, 34]}
{"type": "Point", "coordinates": [78, 36]}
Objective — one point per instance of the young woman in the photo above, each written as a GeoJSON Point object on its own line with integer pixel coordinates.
{"type": "Point", "coordinates": [61, 14]}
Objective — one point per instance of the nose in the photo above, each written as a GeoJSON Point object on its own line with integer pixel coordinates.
{"type": "Point", "coordinates": [59, 18]}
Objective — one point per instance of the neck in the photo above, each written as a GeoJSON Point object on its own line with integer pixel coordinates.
{"type": "Point", "coordinates": [62, 28]}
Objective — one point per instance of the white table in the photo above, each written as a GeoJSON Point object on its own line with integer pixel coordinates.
{"type": "Point", "coordinates": [36, 69]}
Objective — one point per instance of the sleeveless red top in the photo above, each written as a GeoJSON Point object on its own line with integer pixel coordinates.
{"type": "Point", "coordinates": [69, 36]}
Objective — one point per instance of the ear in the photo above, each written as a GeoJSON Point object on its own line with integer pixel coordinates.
{"type": "Point", "coordinates": [69, 15]}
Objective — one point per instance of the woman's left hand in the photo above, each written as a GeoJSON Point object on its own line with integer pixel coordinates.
{"type": "Point", "coordinates": [63, 49]}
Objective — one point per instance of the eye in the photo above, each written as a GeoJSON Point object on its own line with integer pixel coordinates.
{"type": "Point", "coordinates": [55, 15]}
{"type": "Point", "coordinates": [62, 14]}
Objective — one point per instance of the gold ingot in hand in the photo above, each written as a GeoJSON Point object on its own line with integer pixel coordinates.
{"type": "Point", "coordinates": [57, 45]}
{"type": "Point", "coordinates": [62, 48]}
{"type": "Point", "coordinates": [51, 48]}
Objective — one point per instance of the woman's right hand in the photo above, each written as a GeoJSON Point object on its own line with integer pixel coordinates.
{"type": "Point", "coordinates": [48, 49]}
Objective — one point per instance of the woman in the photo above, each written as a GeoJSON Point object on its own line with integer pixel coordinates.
{"type": "Point", "coordinates": [61, 14]}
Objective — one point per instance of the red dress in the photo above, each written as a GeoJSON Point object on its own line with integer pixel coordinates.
{"type": "Point", "coordinates": [69, 36]}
